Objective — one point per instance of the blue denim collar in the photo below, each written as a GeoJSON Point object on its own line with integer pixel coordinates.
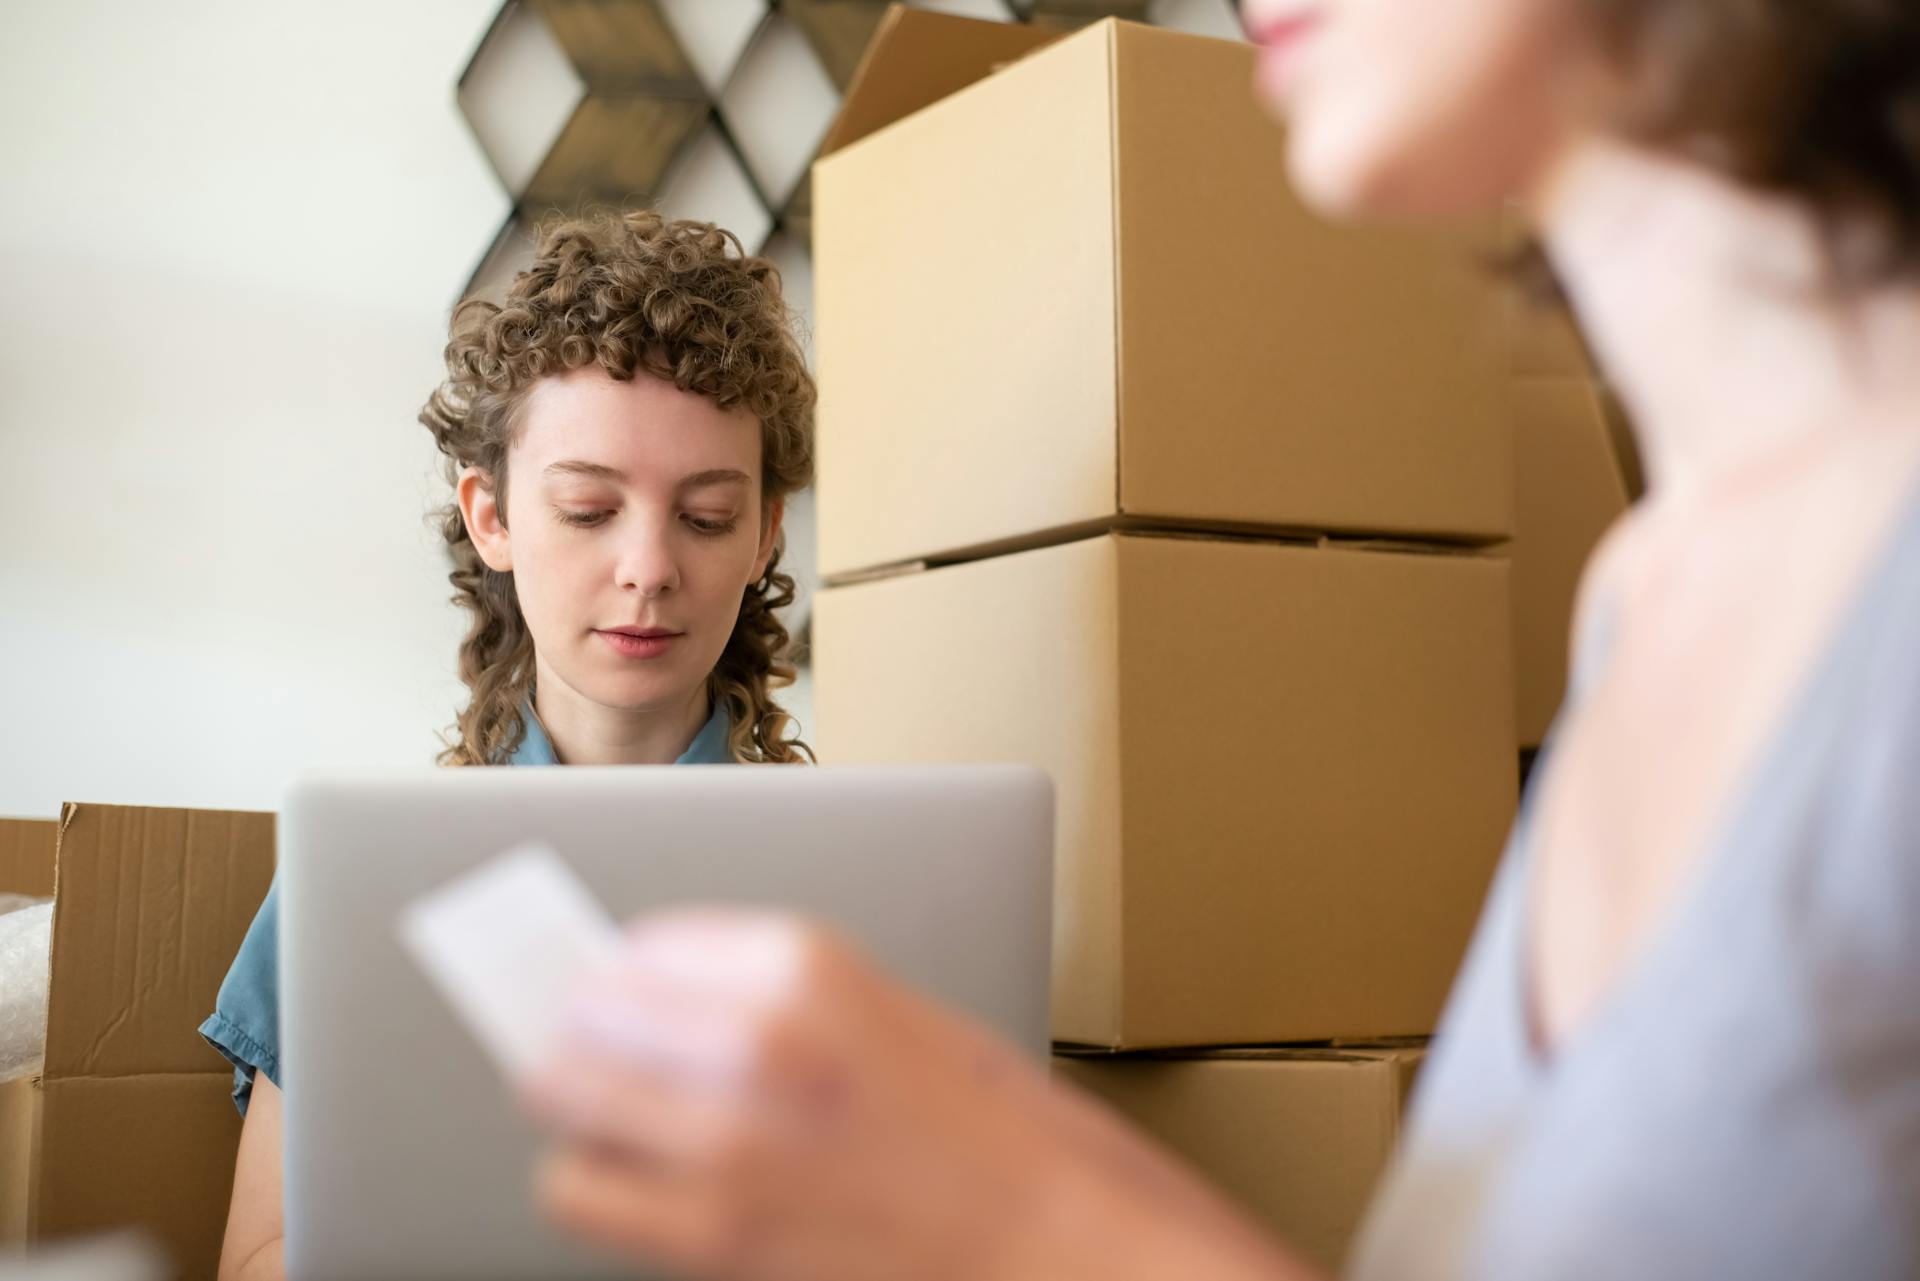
{"type": "Point", "coordinates": [709, 746]}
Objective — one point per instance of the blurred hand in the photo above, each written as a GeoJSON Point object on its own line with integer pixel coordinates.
{"type": "Point", "coordinates": [741, 1095]}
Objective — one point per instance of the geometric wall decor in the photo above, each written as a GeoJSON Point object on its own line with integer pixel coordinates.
{"type": "Point", "coordinates": [516, 94]}
{"type": "Point", "coordinates": [709, 109]}
{"type": "Point", "coordinates": [714, 33]}
{"type": "Point", "coordinates": [580, 100]}
{"type": "Point", "coordinates": [1074, 12]}
{"type": "Point", "coordinates": [777, 105]}
{"type": "Point", "coordinates": [711, 184]}
{"type": "Point", "coordinates": [1216, 18]}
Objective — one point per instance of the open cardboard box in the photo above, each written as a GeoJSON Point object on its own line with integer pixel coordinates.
{"type": "Point", "coordinates": [1299, 1137]}
{"type": "Point", "coordinates": [1075, 293]}
{"type": "Point", "coordinates": [131, 1121]}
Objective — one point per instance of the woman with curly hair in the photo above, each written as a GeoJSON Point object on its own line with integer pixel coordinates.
{"type": "Point", "coordinates": [621, 435]}
{"type": "Point", "coordinates": [1686, 1041]}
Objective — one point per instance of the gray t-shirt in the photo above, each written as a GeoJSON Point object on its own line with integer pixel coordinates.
{"type": "Point", "coordinates": [1746, 1102]}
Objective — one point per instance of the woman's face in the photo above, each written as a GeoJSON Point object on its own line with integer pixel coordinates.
{"type": "Point", "coordinates": [1421, 107]}
{"type": "Point", "coordinates": [634, 526]}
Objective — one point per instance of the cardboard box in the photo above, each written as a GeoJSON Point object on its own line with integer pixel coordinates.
{"type": "Point", "coordinates": [1298, 1137]}
{"type": "Point", "coordinates": [131, 1122]}
{"type": "Point", "coordinates": [1283, 771]}
{"type": "Point", "coordinates": [1544, 339]}
{"type": "Point", "coordinates": [26, 856]}
{"type": "Point", "coordinates": [1078, 295]}
{"type": "Point", "coordinates": [913, 59]}
{"type": "Point", "coordinates": [1574, 476]}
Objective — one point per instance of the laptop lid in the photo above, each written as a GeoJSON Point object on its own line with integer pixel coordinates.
{"type": "Point", "coordinates": [404, 1152]}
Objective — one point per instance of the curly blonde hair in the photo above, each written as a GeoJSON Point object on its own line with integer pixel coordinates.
{"type": "Point", "coordinates": [632, 292]}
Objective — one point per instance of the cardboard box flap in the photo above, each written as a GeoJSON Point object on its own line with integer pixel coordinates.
{"type": "Point", "coordinates": [152, 905]}
{"type": "Point", "coordinates": [26, 856]}
{"type": "Point", "coordinates": [917, 58]}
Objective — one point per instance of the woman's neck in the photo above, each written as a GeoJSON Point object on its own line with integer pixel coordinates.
{"type": "Point", "coordinates": [584, 732]}
{"type": "Point", "coordinates": [1706, 306]}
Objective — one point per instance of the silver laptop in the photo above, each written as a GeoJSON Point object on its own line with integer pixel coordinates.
{"type": "Point", "coordinates": [405, 1156]}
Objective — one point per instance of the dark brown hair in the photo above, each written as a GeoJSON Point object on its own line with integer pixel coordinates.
{"type": "Point", "coordinates": [1815, 99]}
{"type": "Point", "coordinates": [631, 293]}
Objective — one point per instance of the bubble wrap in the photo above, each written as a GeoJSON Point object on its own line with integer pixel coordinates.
{"type": "Point", "coordinates": [26, 943]}
{"type": "Point", "coordinates": [128, 1255]}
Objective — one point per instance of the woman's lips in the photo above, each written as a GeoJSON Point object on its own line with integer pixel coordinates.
{"type": "Point", "coordinates": [1281, 41]}
{"type": "Point", "coordinates": [1276, 32]}
{"type": "Point", "coordinates": [638, 642]}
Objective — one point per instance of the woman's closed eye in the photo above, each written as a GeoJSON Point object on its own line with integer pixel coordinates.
{"type": "Point", "coordinates": [710, 524]}
{"type": "Point", "coordinates": [583, 518]}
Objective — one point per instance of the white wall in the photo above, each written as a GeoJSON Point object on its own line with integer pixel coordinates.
{"type": "Point", "coordinates": [229, 236]}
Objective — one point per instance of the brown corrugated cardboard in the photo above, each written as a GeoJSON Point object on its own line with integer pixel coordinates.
{"type": "Point", "coordinates": [1626, 446]}
{"type": "Point", "coordinates": [19, 1113]}
{"type": "Point", "coordinates": [131, 1123]}
{"type": "Point", "coordinates": [155, 1150]}
{"type": "Point", "coordinates": [1570, 485]}
{"type": "Point", "coordinates": [1297, 1137]}
{"type": "Point", "coordinates": [1283, 772]}
{"type": "Point", "coordinates": [153, 904]}
{"type": "Point", "coordinates": [916, 58]}
{"type": "Point", "coordinates": [1079, 293]}
{"type": "Point", "coordinates": [1544, 339]}
{"type": "Point", "coordinates": [26, 856]}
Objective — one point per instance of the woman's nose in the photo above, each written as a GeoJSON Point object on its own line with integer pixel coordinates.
{"type": "Point", "coordinates": [647, 566]}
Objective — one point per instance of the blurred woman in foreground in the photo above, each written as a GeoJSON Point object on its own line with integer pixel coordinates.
{"type": "Point", "coordinates": [1686, 1042]}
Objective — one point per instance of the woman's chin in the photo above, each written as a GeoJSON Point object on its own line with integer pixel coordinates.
{"type": "Point", "coordinates": [1337, 187]}
{"type": "Point", "coordinates": [1342, 182]}
{"type": "Point", "coordinates": [634, 693]}
{"type": "Point", "coordinates": [1339, 171]}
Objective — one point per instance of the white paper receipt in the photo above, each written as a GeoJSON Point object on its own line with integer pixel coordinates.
{"type": "Point", "coordinates": [504, 943]}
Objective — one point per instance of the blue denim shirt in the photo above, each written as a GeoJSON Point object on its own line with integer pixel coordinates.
{"type": "Point", "coordinates": [245, 1023]}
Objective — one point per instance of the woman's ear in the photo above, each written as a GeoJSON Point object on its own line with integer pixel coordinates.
{"type": "Point", "coordinates": [769, 537]}
{"type": "Point", "coordinates": [480, 510]}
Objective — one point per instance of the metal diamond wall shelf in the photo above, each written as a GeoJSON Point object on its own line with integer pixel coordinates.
{"type": "Point", "coordinates": [1080, 12]}
{"type": "Point", "coordinates": [577, 100]}
{"type": "Point", "coordinates": [708, 109]}
{"type": "Point", "coordinates": [777, 106]}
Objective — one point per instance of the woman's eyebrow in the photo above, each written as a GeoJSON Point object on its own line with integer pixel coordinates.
{"type": "Point", "coordinates": [715, 476]}
{"type": "Point", "coordinates": [580, 467]}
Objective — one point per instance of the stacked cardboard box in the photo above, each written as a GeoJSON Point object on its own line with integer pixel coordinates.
{"type": "Point", "coordinates": [130, 1122]}
{"type": "Point", "coordinates": [1133, 469]}
{"type": "Point", "coordinates": [1298, 1136]}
